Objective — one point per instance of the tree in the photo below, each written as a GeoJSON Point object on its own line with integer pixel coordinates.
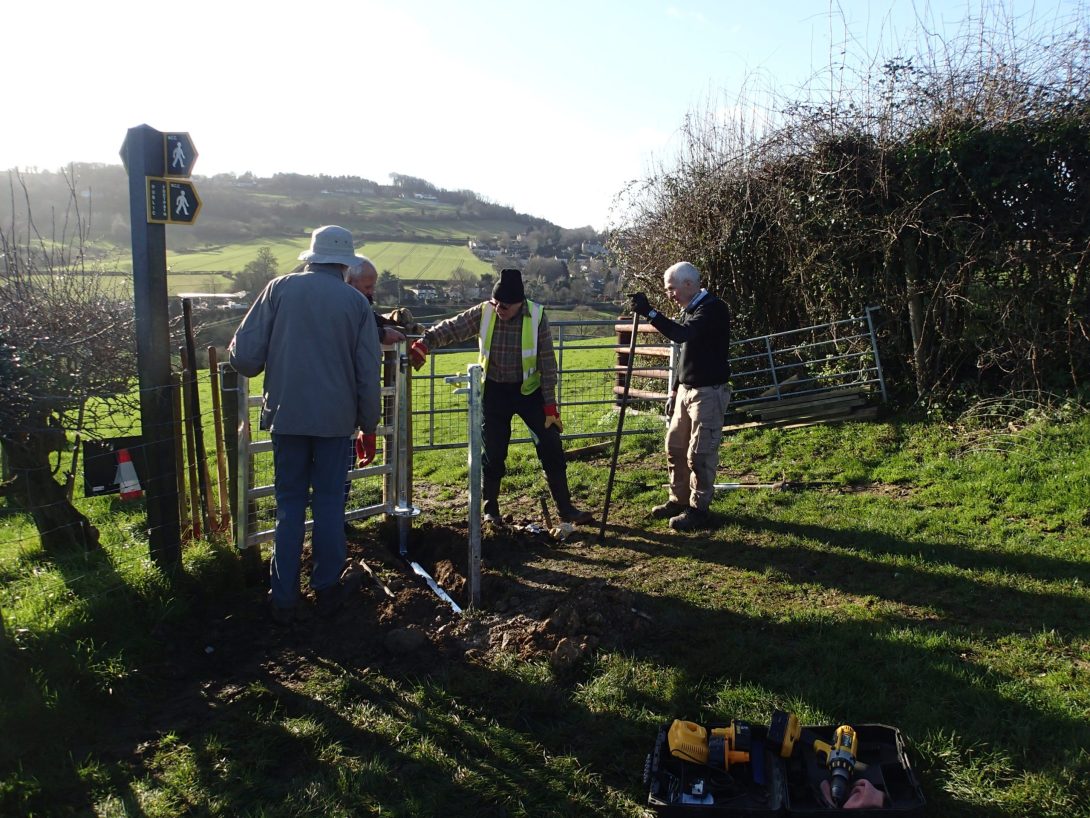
{"type": "Point", "coordinates": [506, 262]}
{"type": "Point", "coordinates": [949, 187]}
{"type": "Point", "coordinates": [463, 284]}
{"type": "Point", "coordinates": [67, 362]}
{"type": "Point", "coordinates": [257, 273]}
{"type": "Point", "coordinates": [388, 288]}
{"type": "Point", "coordinates": [552, 270]}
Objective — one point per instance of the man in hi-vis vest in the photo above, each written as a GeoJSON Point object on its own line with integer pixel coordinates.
{"type": "Point", "coordinates": [520, 379]}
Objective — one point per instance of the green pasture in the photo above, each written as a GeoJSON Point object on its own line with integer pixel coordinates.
{"type": "Point", "coordinates": [234, 257]}
{"type": "Point", "coordinates": [411, 261]}
{"type": "Point", "coordinates": [407, 260]}
{"type": "Point", "coordinates": [932, 577]}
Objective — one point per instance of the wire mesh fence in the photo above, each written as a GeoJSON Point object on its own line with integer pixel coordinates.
{"type": "Point", "coordinates": [591, 357]}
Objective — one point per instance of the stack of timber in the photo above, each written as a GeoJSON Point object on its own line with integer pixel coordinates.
{"type": "Point", "coordinates": [825, 406]}
{"type": "Point", "coordinates": [644, 372]}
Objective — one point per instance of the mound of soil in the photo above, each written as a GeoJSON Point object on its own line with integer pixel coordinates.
{"type": "Point", "coordinates": [533, 605]}
{"type": "Point", "coordinates": [529, 606]}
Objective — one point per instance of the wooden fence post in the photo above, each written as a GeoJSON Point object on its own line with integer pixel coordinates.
{"type": "Point", "coordinates": [190, 448]}
{"type": "Point", "coordinates": [217, 422]}
{"type": "Point", "coordinates": [179, 458]}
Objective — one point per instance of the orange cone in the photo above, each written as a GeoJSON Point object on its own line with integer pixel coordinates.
{"type": "Point", "coordinates": [126, 477]}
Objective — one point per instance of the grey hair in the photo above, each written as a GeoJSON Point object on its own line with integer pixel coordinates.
{"type": "Point", "coordinates": [357, 270]}
{"type": "Point", "coordinates": [682, 273]}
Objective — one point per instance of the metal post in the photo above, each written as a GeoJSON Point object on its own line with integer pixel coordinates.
{"type": "Point", "coordinates": [476, 445]}
{"type": "Point", "coordinates": [404, 510]}
{"type": "Point", "coordinates": [772, 366]}
{"type": "Point", "coordinates": [431, 399]}
{"type": "Point", "coordinates": [559, 365]}
{"type": "Point", "coordinates": [620, 424]}
{"type": "Point", "coordinates": [874, 349]}
{"type": "Point", "coordinates": [242, 462]}
{"type": "Point", "coordinates": [675, 354]}
{"type": "Point", "coordinates": [389, 379]}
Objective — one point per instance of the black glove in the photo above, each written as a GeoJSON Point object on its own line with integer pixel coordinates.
{"type": "Point", "coordinates": [640, 304]}
{"type": "Point", "coordinates": [671, 398]}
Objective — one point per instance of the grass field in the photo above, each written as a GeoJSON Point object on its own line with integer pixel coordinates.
{"type": "Point", "coordinates": [929, 576]}
{"type": "Point", "coordinates": [408, 260]}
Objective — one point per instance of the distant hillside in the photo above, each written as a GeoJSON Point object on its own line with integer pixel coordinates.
{"type": "Point", "coordinates": [246, 209]}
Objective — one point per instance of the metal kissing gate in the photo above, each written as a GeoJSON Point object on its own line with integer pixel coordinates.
{"type": "Point", "coordinates": [381, 488]}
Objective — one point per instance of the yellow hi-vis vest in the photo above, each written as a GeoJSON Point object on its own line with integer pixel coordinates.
{"type": "Point", "coordinates": [531, 377]}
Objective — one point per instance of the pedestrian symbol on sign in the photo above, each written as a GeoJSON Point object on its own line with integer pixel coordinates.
{"type": "Point", "coordinates": [179, 154]}
{"type": "Point", "coordinates": [178, 159]}
{"type": "Point", "coordinates": [181, 203]}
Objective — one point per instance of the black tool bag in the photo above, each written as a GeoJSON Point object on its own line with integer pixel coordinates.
{"type": "Point", "coordinates": [773, 786]}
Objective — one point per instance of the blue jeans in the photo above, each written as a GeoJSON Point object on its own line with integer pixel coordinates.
{"type": "Point", "coordinates": [307, 468]}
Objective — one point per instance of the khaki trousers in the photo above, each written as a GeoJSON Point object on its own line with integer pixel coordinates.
{"type": "Point", "coordinates": [692, 443]}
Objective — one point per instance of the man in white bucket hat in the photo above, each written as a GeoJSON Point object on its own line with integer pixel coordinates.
{"type": "Point", "coordinates": [314, 338]}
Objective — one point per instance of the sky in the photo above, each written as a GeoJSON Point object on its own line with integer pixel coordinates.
{"type": "Point", "coordinates": [551, 106]}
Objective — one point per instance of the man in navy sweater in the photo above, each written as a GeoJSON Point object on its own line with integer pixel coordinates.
{"type": "Point", "coordinates": [699, 393]}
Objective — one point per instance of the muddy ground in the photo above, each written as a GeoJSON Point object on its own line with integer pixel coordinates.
{"type": "Point", "coordinates": [534, 605]}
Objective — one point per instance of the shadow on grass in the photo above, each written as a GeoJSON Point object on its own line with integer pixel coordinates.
{"type": "Point", "coordinates": [971, 602]}
{"type": "Point", "coordinates": [323, 719]}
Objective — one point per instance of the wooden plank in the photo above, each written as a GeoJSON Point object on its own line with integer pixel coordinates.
{"type": "Point", "coordinates": [658, 352]}
{"type": "Point", "coordinates": [640, 394]}
{"type": "Point", "coordinates": [645, 372]}
{"type": "Point", "coordinates": [587, 451]}
{"type": "Point", "coordinates": [627, 328]}
{"type": "Point", "coordinates": [826, 410]}
{"type": "Point", "coordinates": [797, 410]}
{"type": "Point", "coordinates": [864, 413]}
{"type": "Point", "coordinates": [787, 385]}
{"type": "Point", "coordinates": [835, 392]}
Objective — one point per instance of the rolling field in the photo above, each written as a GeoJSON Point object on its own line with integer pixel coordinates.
{"type": "Point", "coordinates": [233, 257]}
{"type": "Point", "coordinates": [431, 261]}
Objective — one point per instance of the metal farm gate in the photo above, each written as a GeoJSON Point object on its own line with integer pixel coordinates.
{"type": "Point", "coordinates": [814, 374]}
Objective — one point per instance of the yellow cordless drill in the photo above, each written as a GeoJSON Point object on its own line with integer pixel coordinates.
{"type": "Point", "coordinates": [720, 748]}
{"type": "Point", "coordinates": [840, 759]}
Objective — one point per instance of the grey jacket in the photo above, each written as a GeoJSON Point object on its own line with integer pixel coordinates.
{"type": "Point", "coordinates": [314, 337]}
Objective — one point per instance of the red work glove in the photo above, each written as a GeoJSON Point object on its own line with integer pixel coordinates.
{"type": "Point", "coordinates": [552, 417]}
{"type": "Point", "coordinates": [365, 450]}
{"type": "Point", "coordinates": [418, 353]}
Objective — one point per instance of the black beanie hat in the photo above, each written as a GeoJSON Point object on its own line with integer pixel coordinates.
{"type": "Point", "coordinates": [508, 289]}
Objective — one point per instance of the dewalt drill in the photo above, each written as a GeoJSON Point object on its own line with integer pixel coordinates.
{"type": "Point", "coordinates": [840, 759]}
{"type": "Point", "coordinates": [720, 748]}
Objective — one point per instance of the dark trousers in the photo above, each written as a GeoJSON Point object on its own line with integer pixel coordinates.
{"type": "Point", "coordinates": [307, 468]}
{"type": "Point", "coordinates": [502, 401]}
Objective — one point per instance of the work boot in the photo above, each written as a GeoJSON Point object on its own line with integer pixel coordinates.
{"type": "Point", "coordinates": [571, 514]}
{"type": "Point", "coordinates": [690, 519]}
{"type": "Point", "coordinates": [558, 488]}
{"type": "Point", "coordinates": [491, 494]}
{"type": "Point", "coordinates": [328, 601]}
{"type": "Point", "coordinates": [281, 616]}
{"type": "Point", "coordinates": [666, 510]}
